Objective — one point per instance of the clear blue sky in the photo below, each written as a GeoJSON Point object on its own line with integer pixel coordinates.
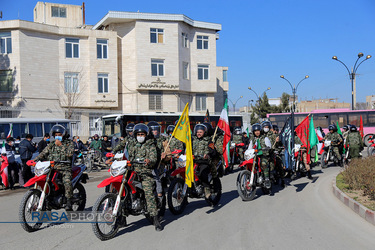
{"type": "Point", "coordinates": [263, 39]}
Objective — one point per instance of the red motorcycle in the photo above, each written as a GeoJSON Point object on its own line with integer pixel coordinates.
{"type": "Point", "coordinates": [126, 198]}
{"type": "Point", "coordinates": [235, 154]}
{"type": "Point", "coordinates": [178, 191]}
{"type": "Point", "coordinates": [371, 146]}
{"type": "Point", "coordinates": [49, 192]}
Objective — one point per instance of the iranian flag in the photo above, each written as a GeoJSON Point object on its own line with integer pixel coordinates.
{"type": "Point", "coordinates": [223, 124]}
{"type": "Point", "coordinates": [10, 134]}
{"type": "Point", "coordinates": [320, 145]}
{"type": "Point", "coordinates": [4, 167]}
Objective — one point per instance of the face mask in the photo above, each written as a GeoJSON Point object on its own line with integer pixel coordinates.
{"type": "Point", "coordinates": [266, 130]}
{"type": "Point", "coordinates": [77, 140]}
{"type": "Point", "coordinates": [58, 138]}
{"type": "Point", "coordinates": [141, 139]}
{"type": "Point", "coordinates": [47, 139]}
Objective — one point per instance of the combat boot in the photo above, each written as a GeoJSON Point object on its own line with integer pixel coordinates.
{"type": "Point", "coordinates": [309, 175]}
{"type": "Point", "coordinates": [158, 226]}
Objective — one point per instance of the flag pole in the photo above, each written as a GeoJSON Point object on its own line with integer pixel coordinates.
{"type": "Point", "coordinates": [213, 138]}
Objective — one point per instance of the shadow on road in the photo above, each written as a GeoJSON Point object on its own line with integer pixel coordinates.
{"type": "Point", "coordinates": [300, 186]}
{"type": "Point", "coordinates": [225, 199]}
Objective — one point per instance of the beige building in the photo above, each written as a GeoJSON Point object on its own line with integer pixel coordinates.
{"type": "Point", "coordinates": [128, 62]}
{"type": "Point", "coordinates": [308, 106]}
{"type": "Point", "coordinates": [370, 102]}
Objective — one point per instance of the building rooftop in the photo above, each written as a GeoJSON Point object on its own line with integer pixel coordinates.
{"type": "Point", "coordinates": [122, 16]}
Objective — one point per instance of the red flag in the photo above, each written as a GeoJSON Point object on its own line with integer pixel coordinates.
{"type": "Point", "coordinates": [302, 132]}
{"type": "Point", "coordinates": [361, 127]}
{"type": "Point", "coordinates": [4, 171]}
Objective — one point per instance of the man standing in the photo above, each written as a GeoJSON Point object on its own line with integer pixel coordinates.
{"type": "Point", "coordinates": [12, 167]}
{"type": "Point", "coordinates": [354, 142]}
{"type": "Point", "coordinates": [43, 143]}
{"type": "Point", "coordinates": [26, 153]}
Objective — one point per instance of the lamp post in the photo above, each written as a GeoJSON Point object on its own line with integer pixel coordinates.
{"type": "Point", "coordinates": [294, 90]}
{"type": "Point", "coordinates": [259, 100]}
{"type": "Point", "coordinates": [234, 104]}
{"type": "Point", "coordinates": [352, 75]}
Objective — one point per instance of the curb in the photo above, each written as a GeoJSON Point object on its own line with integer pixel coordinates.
{"type": "Point", "coordinates": [358, 208]}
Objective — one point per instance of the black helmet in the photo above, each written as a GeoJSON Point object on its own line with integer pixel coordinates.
{"type": "Point", "coordinates": [237, 131]}
{"type": "Point", "coordinates": [275, 127]}
{"type": "Point", "coordinates": [353, 128]}
{"type": "Point", "coordinates": [266, 123]}
{"type": "Point", "coordinates": [345, 127]}
{"type": "Point", "coordinates": [256, 127]}
{"type": "Point", "coordinates": [332, 127]}
{"type": "Point", "coordinates": [58, 128]}
{"type": "Point", "coordinates": [200, 127]}
{"type": "Point", "coordinates": [129, 127]}
{"type": "Point", "coordinates": [154, 126]}
{"type": "Point", "coordinates": [210, 130]}
{"type": "Point", "coordinates": [170, 128]}
{"type": "Point", "coordinates": [319, 128]}
{"type": "Point", "coordinates": [140, 128]}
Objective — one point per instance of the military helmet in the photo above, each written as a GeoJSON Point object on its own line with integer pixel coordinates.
{"type": "Point", "coordinates": [154, 126]}
{"type": "Point", "coordinates": [346, 127]}
{"type": "Point", "coordinates": [170, 128]}
{"type": "Point", "coordinates": [210, 130]}
{"type": "Point", "coordinates": [353, 128]}
{"type": "Point", "coordinates": [200, 127]}
{"type": "Point", "coordinates": [256, 127]}
{"type": "Point", "coordinates": [237, 131]}
{"type": "Point", "coordinates": [140, 128]}
{"type": "Point", "coordinates": [58, 128]}
{"type": "Point", "coordinates": [332, 127]}
{"type": "Point", "coordinates": [129, 127]}
{"type": "Point", "coordinates": [266, 123]}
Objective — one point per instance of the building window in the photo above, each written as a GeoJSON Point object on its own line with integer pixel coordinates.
{"type": "Point", "coordinates": [156, 35]}
{"type": "Point", "coordinates": [203, 72]}
{"type": "Point", "coordinates": [102, 83]}
{"type": "Point", "coordinates": [157, 67]}
{"type": "Point", "coordinates": [225, 79]}
{"type": "Point", "coordinates": [202, 42]}
{"type": "Point", "coordinates": [185, 70]}
{"type": "Point", "coordinates": [6, 80]}
{"type": "Point", "coordinates": [185, 40]}
{"type": "Point", "coordinates": [58, 12]}
{"type": "Point", "coordinates": [200, 102]}
{"type": "Point", "coordinates": [71, 84]}
{"type": "Point", "coordinates": [71, 48]}
{"type": "Point", "coordinates": [155, 100]}
{"type": "Point", "coordinates": [5, 43]}
{"type": "Point", "coordinates": [101, 48]}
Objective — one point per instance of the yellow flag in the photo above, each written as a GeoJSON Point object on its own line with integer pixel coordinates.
{"type": "Point", "coordinates": [182, 133]}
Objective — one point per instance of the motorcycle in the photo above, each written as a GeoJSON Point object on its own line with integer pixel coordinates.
{"type": "Point", "coordinates": [235, 154]}
{"type": "Point", "coordinates": [252, 177]}
{"type": "Point", "coordinates": [49, 192]}
{"type": "Point", "coordinates": [126, 198]}
{"type": "Point", "coordinates": [329, 155]}
{"type": "Point", "coordinates": [371, 146]}
{"type": "Point", "coordinates": [179, 192]}
{"type": "Point", "coordinates": [299, 163]}
{"type": "Point", "coordinates": [94, 161]}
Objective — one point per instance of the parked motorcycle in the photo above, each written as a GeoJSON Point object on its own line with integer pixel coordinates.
{"type": "Point", "coordinates": [126, 198]}
{"type": "Point", "coordinates": [179, 192]}
{"type": "Point", "coordinates": [49, 192]}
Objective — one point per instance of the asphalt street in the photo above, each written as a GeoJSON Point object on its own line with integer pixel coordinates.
{"type": "Point", "coordinates": [304, 215]}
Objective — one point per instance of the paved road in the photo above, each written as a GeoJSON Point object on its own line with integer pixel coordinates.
{"type": "Point", "coordinates": [304, 215]}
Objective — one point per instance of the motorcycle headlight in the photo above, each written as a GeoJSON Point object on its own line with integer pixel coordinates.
{"type": "Point", "coordinates": [42, 168]}
{"type": "Point", "coordinates": [118, 168]}
{"type": "Point", "coordinates": [249, 154]}
{"type": "Point", "coordinates": [181, 163]}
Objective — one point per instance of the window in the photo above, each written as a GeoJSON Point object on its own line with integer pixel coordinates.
{"type": "Point", "coordinates": [203, 72]}
{"type": "Point", "coordinates": [102, 83]}
{"type": "Point", "coordinates": [4, 130]}
{"type": "Point", "coordinates": [6, 80]}
{"type": "Point", "coordinates": [36, 129]}
{"type": "Point", "coordinates": [225, 72]}
{"type": "Point", "coordinates": [185, 40]}
{"type": "Point", "coordinates": [156, 35]}
{"type": "Point", "coordinates": [157, 67]}
{"type": "Point", "coordinates": [202, 42]}
{"type": "Point", "coordinates": [200, 102]}
{"type": "Point", "coordinates": [101, 48]}
{"type": "Point", "coordinates": [185, 70]}
{"type": "Point", "coordinates": [155, 100]}
{"type": "Point", "coordinates": [58, 12]}
{"type": "Point", "coordinates": [71, 48]}
{"type": "Point", "coordinates": [5, 43]}
{"type": "Point", "coordinates": [19, 129]}
{"type": "Point", "coordinates": [71, 84]}
{"type": "Point", "coordinates": [48, 126]}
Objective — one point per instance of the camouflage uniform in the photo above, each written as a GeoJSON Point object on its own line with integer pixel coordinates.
{"type": "Point", "coordinates": [142, 151]}
{"type": "Point", "coordinates": [238, 139]}
{"type": "Point", "coordinates": [176, 144]}
{"type": "Point", "coordinates": [61, 153]}
{"type": "Point", "coordinates": [335, 138]}
{"type": "Point", "coordinates": [355, 143]}
{"type": "Point", "coordinates": [121, 146]}
{"type": "Point", "coordinates": [264, 156]}
{"type": "Point", "coordinates": [219, 140]}
{"type": "Point", "coordinates": [303, 149]}
{"type": "Point", "coordinates": [272, 137]}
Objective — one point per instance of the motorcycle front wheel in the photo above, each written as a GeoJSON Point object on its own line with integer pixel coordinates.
{"type": "Point", "coordinates": [79, 197]}
{"type": "Point", "coordinates": [105, 226]}
{"type": "Point", "coordinates": [176, 202]}
{"type": "Point", "coordinates": [245, 190]}
{"type": "Point", "coordinates": [323, 163]}
{"type": "Point", "coordinates": [29, 204]}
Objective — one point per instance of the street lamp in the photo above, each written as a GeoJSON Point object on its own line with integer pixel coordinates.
{"type": "Point", "coordinates": [234, 104]}
{"type": "Point", "coordinates": [257, 93]}
{"type": "Point", "coordinates": [352, 75]}
{"type": "Point", "coordinates": [294, 90]}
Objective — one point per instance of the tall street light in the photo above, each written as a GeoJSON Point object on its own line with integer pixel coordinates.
{"type": "Point", "coordinates": [294, 90]}
{"type": "Point", "coordinates": [352, 75]}
{"type": "Point", "coordinates": [234, 104]}
{"type": "Point", "coordinates": [258, 97]}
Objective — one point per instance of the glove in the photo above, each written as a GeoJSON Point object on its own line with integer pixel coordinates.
{"type": "Point", "coordinates": [30, 163]}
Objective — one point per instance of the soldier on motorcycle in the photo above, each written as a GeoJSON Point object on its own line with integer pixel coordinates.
{"type": "Point", "coordinates": [336, 141]}
{"type": "Point", "coordinates": [303, 150]}
{"type": "Point", "coordinates": [145, 149]}
{"type": "Point", "coordinates": [175, 144]}
{"type": "Point", "coordinates": [129, 138]}
{"type": "Point", "coordinates": [354, 142]}
{"type": "Point", "coordinates": [62, 149]}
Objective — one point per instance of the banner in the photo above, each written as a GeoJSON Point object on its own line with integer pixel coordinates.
{"type": "Point", "coordinates": [286, 139]}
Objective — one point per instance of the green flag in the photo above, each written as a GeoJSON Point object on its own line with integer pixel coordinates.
{"type": "Point", "coordinates": [338, 128]}
{"type": "Point", "coordinates": [259, 147]}
{"type": "Point", "coordinates": [313, 138]}
{"type": "Point", "coordinates": [247, 131]}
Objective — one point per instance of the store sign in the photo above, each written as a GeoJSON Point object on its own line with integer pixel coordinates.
{"type": "Point", "coordinates": [158, 84]}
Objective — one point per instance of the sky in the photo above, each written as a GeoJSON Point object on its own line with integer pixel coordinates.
{"type": "Point", "coordinates": [263, 39]}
